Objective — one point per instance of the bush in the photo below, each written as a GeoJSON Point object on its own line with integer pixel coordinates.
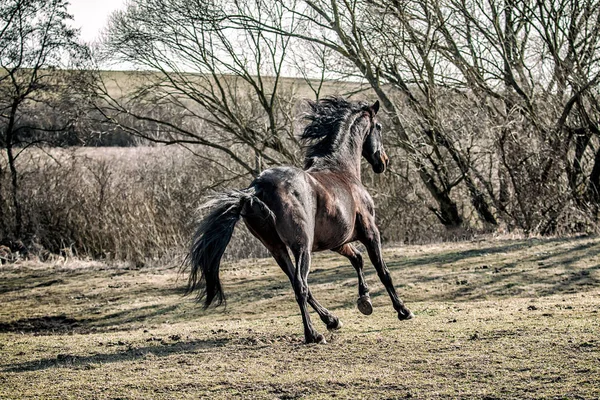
{"type": "Point", "coordinates": [128, 203]}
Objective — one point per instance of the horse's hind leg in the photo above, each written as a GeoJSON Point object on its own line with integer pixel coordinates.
{"type": "Point", "coordinates": [282, 257]}
{"type": "Point", "coordinates": [302, 256]}
{"type": "Point", "coordinates": [364, 300]}
{"type": "Point", "coordinates": [297, 276]}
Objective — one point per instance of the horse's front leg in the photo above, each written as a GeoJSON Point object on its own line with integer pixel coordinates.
{"type": "Point", "coordinates": [364, 300]}
{"type": "Point", "coordinates": [372, 242]}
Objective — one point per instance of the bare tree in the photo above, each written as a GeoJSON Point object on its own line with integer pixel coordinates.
{"type": "Point", "coordinates": [533, 68]}
{"type": "Point", "coordinates": [488, 98]}
{"type": "Point", "coordinates": [493, 102]}
{"type": "Point", "coordinates": [36, 45]}
{"type": "Point", "coordinates": [217, 84]}
{"type": "Point", "coordinates": [380, 44]}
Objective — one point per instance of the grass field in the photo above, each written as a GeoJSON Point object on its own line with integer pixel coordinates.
{"type": "Point", "coordinates": [498, 318]}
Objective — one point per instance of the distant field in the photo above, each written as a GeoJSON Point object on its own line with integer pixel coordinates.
{"type": "Point", "coordinates": [497, 318]}
{"type": "Point", "coordinates": [122, 83]}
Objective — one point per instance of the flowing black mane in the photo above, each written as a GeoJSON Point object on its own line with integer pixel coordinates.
{"type": "Point", "coordinates": [326, 120]}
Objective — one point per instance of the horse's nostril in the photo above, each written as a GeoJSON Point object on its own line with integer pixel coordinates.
{"type": "Point", "coordinates": [384, 159]}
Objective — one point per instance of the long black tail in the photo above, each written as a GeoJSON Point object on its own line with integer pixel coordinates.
{"type": "Point", "coordinates": [213, 236]}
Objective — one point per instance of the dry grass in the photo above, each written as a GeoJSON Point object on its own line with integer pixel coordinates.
{"type": "Point", "coordinates": [495, 319]}
{"type": "Point", "coordinates": [113, 203]}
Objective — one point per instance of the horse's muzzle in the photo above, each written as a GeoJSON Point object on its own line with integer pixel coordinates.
{"type": "Point", "coordinates": [382, 162]}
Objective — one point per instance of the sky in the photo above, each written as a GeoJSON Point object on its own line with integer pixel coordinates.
{"type": "Point", "coordinates": [91, 16]}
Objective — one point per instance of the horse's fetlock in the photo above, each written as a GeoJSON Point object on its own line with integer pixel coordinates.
{"type": "Point", "coordinates": [334, 324]}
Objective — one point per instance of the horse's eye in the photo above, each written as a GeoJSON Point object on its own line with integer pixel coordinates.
{"type": "Point", "coordinates": [378, 126]}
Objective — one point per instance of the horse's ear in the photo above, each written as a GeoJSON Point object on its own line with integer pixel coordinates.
{"type": "Point", "coordinates": [375, 107]}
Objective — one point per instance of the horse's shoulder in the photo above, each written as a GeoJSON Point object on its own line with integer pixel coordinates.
{"type": "Point", "coordinates": [364, 201]}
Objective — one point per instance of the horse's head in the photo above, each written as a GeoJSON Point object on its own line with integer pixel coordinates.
{"type": "Point", "coordinates": [373, 145]}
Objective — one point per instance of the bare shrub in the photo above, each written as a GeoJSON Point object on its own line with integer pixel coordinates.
{"type": "Point", "coordinates": [117, 203]}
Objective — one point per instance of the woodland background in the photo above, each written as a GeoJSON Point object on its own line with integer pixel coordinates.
{"type": "Point", "coordinates": [490, 114]}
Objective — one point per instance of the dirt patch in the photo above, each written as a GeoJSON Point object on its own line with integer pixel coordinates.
{"type": "Point", "coordinates": [58, 324]}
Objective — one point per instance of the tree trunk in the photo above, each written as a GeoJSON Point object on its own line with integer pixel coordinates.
{"type": "Point", "coordinates": [478, 200]}
{"type": "Point", "coordinates": [447, 212]}
{"type": "Point", "coordinates": [2, 217]}
{"type": "Point", "coordinates": [575, 170]}
{"type": "Point", "coordinates": [593, 189]}
{"type": "Point", "coordinates": [14, 192]}
{"type": "Point", "coordinates": [8, 144]}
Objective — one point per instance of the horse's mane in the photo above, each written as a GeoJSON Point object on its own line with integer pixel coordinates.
{"type": "Point", "coordinates": [326, 118]}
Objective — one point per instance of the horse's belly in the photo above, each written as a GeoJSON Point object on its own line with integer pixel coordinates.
{"type": "Point", "coordinates": [330, 234]}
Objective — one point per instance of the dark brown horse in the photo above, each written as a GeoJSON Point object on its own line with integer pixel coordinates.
{"type": "Point", "coordinates": [323, 207]}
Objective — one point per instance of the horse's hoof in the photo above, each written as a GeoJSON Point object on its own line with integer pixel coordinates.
{"type": "Point", "coordinates": [319, 339]}
{"type": "Point", "coordinates": [364, 305]}
{"type": "Point", "coordinates": [335, 325]}
{"type": "Point", "coordinates": [406, 315]}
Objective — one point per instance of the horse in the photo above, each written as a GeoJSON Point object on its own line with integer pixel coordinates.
{"type": "Point", "coordinates": [323, 206]}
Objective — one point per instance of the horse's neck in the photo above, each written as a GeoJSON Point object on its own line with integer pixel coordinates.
{"type": "Point", "coordinates": [350, 153]}
{"type": "Point", "coordinates": [346, 152]}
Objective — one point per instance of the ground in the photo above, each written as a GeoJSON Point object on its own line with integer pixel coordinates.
{"type": "Point", "coordinates": [497, 318]}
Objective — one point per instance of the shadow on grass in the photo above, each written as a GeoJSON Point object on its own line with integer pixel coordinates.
{"type": "Point", "coordinates": [131, 354]}
{"type": "Point", "coordinates": [63, 324]}
{"type": "Point", "coordinates": [48, 324]}
{"type": "Point", "coordinates": [538, 267]}
{"type": "Point", "coordinates": [547, 272]}
{"type": "Point", "coordinates": [28, 282]}
{"type": "Point", "coordinates": [461, 255]}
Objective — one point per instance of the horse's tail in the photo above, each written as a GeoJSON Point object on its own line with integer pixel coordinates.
{"type": "Point", "coordinates": [212, 237]}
